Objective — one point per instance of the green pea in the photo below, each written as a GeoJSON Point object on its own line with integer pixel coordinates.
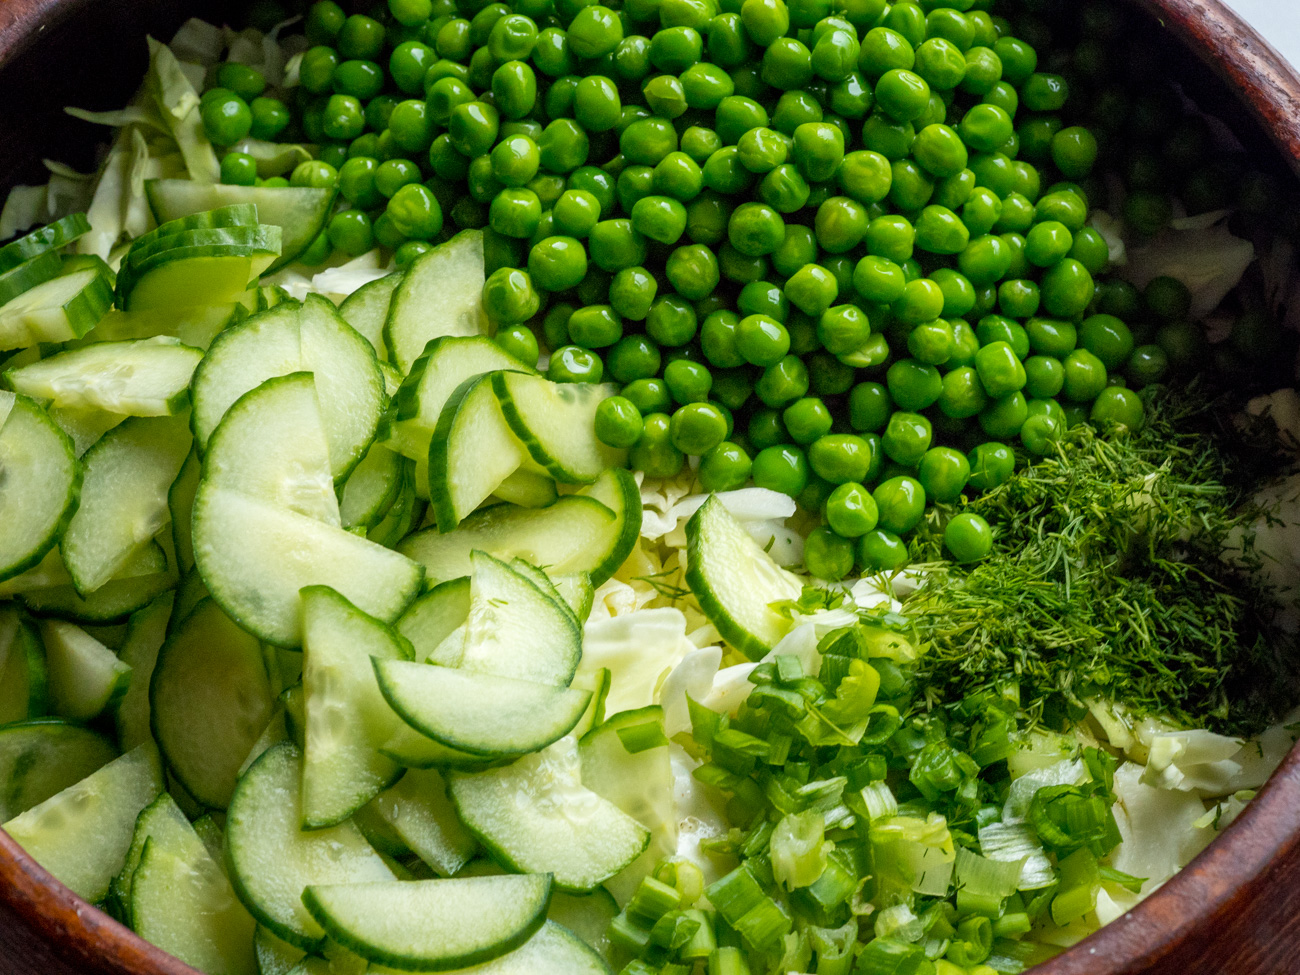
{"type": "Point", "coordinates": [1004, 417]}
{"type": "Point", "coordinates": [841, 224]}
{"type": "Point", "coordinates": [693, 271]}
{"type": "Point", "coordinates": [985, 260]}
{"type": "Point", "coordinates": [962, 395]}
{"type": "Point", "coordinates": [807, 419]}
{"type": "Point", "coordinates": [931, 342]}
{"type": "Point", "coordinates": [509, 297]}
{"type": "Point", "coordinates": [1148, 364]}
{"type": "Point", "coordinates": [1000, 369]}
{"type": "Point", "coordinates": [941, 63]}
{"type": "Point", "coordinates": [940, 231]}
{"type": "Point", "coordinates": [755, 229]}
{"type": "Point", "coordinates": [879, 279]}
{"type": "Point", "coordinates": [992, 465]}
{"type": "Point", "coordinates": [482, 184]}
{"type": "Point", "coordinates": [269, 118]}
{"type": "Point", "coordinates": [615, 245]}
{"type": "Point", "coordinates": [725, 467]}
{"type": "Point", "coordinates": [900, 503]}
{"type": "Point", "coordinates": [473, 127]}
{"type": "Point", "coordinates": [913, 385]}
{"type": "Point", "coordinates": [906, 438]}
{"type": "Point", "coordinates": [415, 212]}
{"type": "Point", "coordinates": [316, 70]}
{"type": "Point", "coordinates": [665, 96]}
{"type": "Point", "coordinates": [784, 189]}
{"type": "Point", "coordinates": [674, 49]}
{"type": "Point", "coordinates": [324, 21]}
{"type": "Point", "coordinates": [761, 340]}
{"type": "Point", "coordinates": [557, 263]}
{"type": "Point", "coordinates": [852, 98]}
{"type": "Point", "coordinates": [869, 407]}
{"type": "Point", "coordinates": [648, 395]}
{"type": "Point", "coordinates": [361, 37]}
{"type": "Point", "coordinates": [635, 183]}
{"type": "Point", "coordinates": [890, 138]}
{"type": "Point", "coordinates": [563, 146]}
{"type": "Point", "coordinates": [882, 551]}
{"type": "Point", "coordinates": [1085, 376]}
{"type": "Point", "coordinates": [922, 301]}
{"type": "Point", "coordinates": [318, 174]}
{"type": "Point", "coordinates": [827, 555]}
{"type": "Point", "coordinates": [689, 382]}
{"type": "Point", "coordinates": [902, 94]}
{"type": "Point", "coordinates": [983, 72]}
{"type": "Point", "coordinates": [835, 55]}
{"type": "Point", "coordinates": [781, 468]}
{"type": "Point", "coordinates": [1042, 431]}
{"type": "Point", "coordinates": [1043, 92]}
{"type": "Point", "coordinates": [679, 177]}
{"type": "Point", "coordinates": [238, 169]}
{"type": "Point", "coordinates": [968, 537]}
{"type": "Point", "coordinates": [851, 511]}
{"type": "Point", "coordinates": [648, 140]}
{"type": "Point", "coordinates": [943, 472]}
{"type": "Point", "coordinates": [1108, 338]}
{"type": "Point", "coordinates": [1117, 407]}
{"type": "Point", "coordinates": [654, 453]}
{"type": "Point", "coordinates": [226, 118]}
{"type": "Point", "coordinates": [782, 382]}
{"type": "Point", "coordinates": [520, 342]}
{"type": "Point", "coordinates": [892, 239]}
{"type": "Point", "coordinates": [571, 364]}
{"type": "Point", "coordinates": [1067, 289]}
{"type": "Point", "coordinates": [671, 321]}
{"type": "Point", "coordinates": [739, 267]}
{"type": "Point", "coordinates": [706, 218]}
{"type": "Point", "coordinates": [884, 50]}
{"type": "Point", "coordinates": [765, 20]}
{"type": "Point", "coordinates": [699, 143]}
{"type": "Point", "coordinates": [576, 212]}
{"type": "Point", "coordinates": [844, 458]}
{"type": "Point", "coordinates": [595, 327]}
{"type": "Point", "coordinates": [761, 150]}
{"type": "Point", "coordinates": [1168, 298]}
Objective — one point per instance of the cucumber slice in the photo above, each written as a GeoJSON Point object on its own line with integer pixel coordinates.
{"type": "Point", "coordinates": [597, 682]}
{"type": "Point", "coordinates": [588, 916]}
{"type": "Point", "coordinates": [274, 957]}
{"type": "Point", "coordinates": [86, 678]}
{"type": "Point", "coordinates": [566, 829]}
{"type": "Point", "coordinates": [434, 376]}
{"type": "Point", "coordinates": [255, 558]}
{"type": "Point", "coordinates": [59, 310]}
{"type": "Point", "coordinates": [271, 446]}
{"type": "Point", "coordinates": [432, 925]}
{"type": "Point", "coordinates": [200, 275]}
{"type": "Point", "coordinates": [142, 251]}
{"type": "Point", "coordinates": [372, 487]}
{"type": "Point", "coordinates": [213, 838]}
{"type": "Point", "coordinates": [346, 717]}
{"type": "Point", "coordinates": [412, 750]}
{"type": "Point", "coordinates": [527, 489]}
{"type": "Point", "coordinates": [575, 534]}
{"type": "Point", "coordinates": [479, 713]}
{"type": "Point", "coordinates": [297, 338]}
{"type": "Point", "coordinates": [472, 451]}
{"type": "Point", "coordinates": [434, 616]}
{"type": "Point", "coordinates": [81, 835]}
{"type": "Point", "coordinates": [149, 377]}
{"type": "Point", "coordinates": [124, 496]}
{"type": "Point", "coordinates": [180, 505]}
{"type": "Point", "coordinates": [273, 860]}
{"type": "Point", "coordinates": [441, 293]}
{"type": "Point", "coordinates": [196, 326]}
{"type": "Point", "coordinates": [515, 630]}
{"type": "Point", "coordinates": [735, 581]}
{"type": "Point", "coordinates": [617, 490]}
{"type": "Point", "coordinates": [85, 427]}
{"type": "Point", "coordinates": [51, 237]}
{"type": "Point", "coordinates": [405, 513]}
{"type": "Point", "coordinates": [576, 590]}
{"type": "Point", "coordinates": [554, 950]}
{"type": "Point", "coordinates": [34, 271]}
{"type": "Point", "coordinates": [233, 215]}
{"type": "Point", "coordinates": [144, 638]}
{"type": "Point", "coordinates": [24, 682]}
{"type": "Point", "coordinates": [161, 818]}
{"type": "Point", "coordinates": [543, 582]}
{"type": "Point", "coordinates": [209, 700]}
{"type": "Point", "coordinates": [41, 758]}
{"type": "Point", "coordinates": [640, 783]}
{"type": "Point", "coordinates": [182, 903]}
{"type": "Point", "coordinates": [366, 310]}
{"type": "Point", "coordinates": [39, 495]}
{"type": "Point", "coordinates": [419, 813]}
{"type": "Point", "coordinates": [299, 211]}
{"type": "Point", "coordinates": [556, 422]}
{"type": "Point", "coordinates": [114, 601]}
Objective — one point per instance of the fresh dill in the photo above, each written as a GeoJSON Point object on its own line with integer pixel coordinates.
{"type": "Point", "coordinates": [661, 583]}
{"type": "Point", "coordinates": [1107, 579]}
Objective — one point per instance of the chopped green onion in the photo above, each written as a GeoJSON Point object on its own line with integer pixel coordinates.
{"type": "Point", "coordinates": [653, 899]}
{"type": "Point", "coordinates": [973, 943]}
{"type": "Point", "coordinates": [1080, 881]}
{"type": "Point", "coordinates": [898, 922]}
{"type": "Point", "coordinates": [885, 956]}
{"type": "Point", "coordinates": [642, 737]}
{"type": "Point", "coordinates": [703, 941]}
{"type": "Point", "coordinates": [798, 849]}
{"type": "Point", "coordinates": [728, 961]}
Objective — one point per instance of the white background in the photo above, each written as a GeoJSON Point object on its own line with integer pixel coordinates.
{"type": "Point", "coordinates": [1278, 20]}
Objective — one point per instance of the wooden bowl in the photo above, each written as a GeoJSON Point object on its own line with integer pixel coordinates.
{"type": "Point", "coordinates": [1235, 910]}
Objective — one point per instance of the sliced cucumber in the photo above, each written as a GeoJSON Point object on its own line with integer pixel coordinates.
{"type": "Point", "coordinates": [617, 490]}
{"type": "Point", "coordinates": [565, 829]}
{"type": "Point", "coordinates": [183, 903]}
{"type": "Point", "coordinates": [588, 916]}
{"type": "Point", "coordinates": [516, 630]}
{"type": "Point", "coordinates": [81, 835]}
{"type": "Point", "coordinates": [34, 271]}
{"type": "Point", "coordinates": [41, 758]}
{"type": "Point", "coordinates": [143, 578]}
{"type": "Point", "coordinates": [51, 237]}
{"type": "Point", "coordinates": [482, 714]}
{"type": "Point", "coordinates": [735, 581]}
{"type": "Point", "coordinates": [40, 484]}
{"type": "Point", "coordinates": [366, 310]}
{"type": "Point", "coordinates": [59, 310]}
{"type": "Point", "coordinates": [554, 950]}
{"type": "Point", "coordinates": [556, 422]}
{"type": "Point", "coordinates": [434, 616]}
{"type": "Point", "coordinates": [273, 860]}
{"type": "Point", "coordinates": [85, 427]}
{"type": "Point", "coordinates": [161, 818]}
{"type": "Point", "coordinates": [201, 275]}
{"type": "Point", "coordinates": [86, 678]}
{"type": "Point", "coordinates": [472, 451]}
{"type": "Point", "coordinates": [274, 957]}
{"type": "Point", "coordinates": [597, 682]}
{"type": "Point", "coordinates": [209, 700]}
{"type": "Point", "coordinates": [346, 717]}
{"type": "Point", "coordinates": [299, 211]}
{"type": "Point", "coordinates": [148, 377]}
{"type": "Point", "coordinates": [527, 489]}
{"type": "Point", "coordinates": [441, 293]}
{"type": "Point", "coordinates": [293, 338]}
{"type": "Point", "coordinates": [144, 637]}
{"type": "Point", "coordinates": [402, 515]}
{"type": "Point", "coordinates": [412, 750]}
{"type": "Point", "coordinates": [372, 487]}
{"type": "Point", "coordinates": [142, 250]}
{"type": "Point", "coordinates": [434, 376]}
{"type": "Point", "coordinates": [233, 215]}
{"type": "Point", "coordinates": [419, 813]}
{"type": "Point", "coordinates": [271, 446]}
{"type": "Point", "coordinates": [180, 505]}
{"type": "Point", "coordinates": [255, 558]}
{"type": "Point", "coordinates": [433, 925]}
{"type": "Point", "coordinates": [24, 683]}
{"type": "Point", "coordinates": [576, 534]}
{"type": "Point", "coordinates": [124, 496]}
{"type": "Point", "coordinates": [640, 783]}
{"type": "Point", "coordinates": [575, 596]}
{"type": "Point", "coordinates": [195, 326]}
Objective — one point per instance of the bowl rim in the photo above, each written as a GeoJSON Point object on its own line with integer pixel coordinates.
{"type": "Point", "coordinates": [1211, 889]}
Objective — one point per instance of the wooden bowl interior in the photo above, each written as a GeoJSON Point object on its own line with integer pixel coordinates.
{"type": "Point", "coordinates": [1236, 908]}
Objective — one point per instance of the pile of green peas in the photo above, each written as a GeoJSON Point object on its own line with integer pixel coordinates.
{"type": "Point", "coordinates": [838, 248]}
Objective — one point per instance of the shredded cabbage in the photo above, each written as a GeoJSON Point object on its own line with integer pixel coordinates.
{"type": "Point", "coordinates": [179, 103]}
{"type": "Point", "coordinates": [640, 649]}
{"type": "Point", "coordinates": [1158, 827]}
{"type": "Point", "coordinates": [1209, 260]}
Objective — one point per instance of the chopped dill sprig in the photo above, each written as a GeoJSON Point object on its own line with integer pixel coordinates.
{"type": "Point", "coordinates": [660, 583]}
{"type": "Point", "coordinates": [1107, 579]}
